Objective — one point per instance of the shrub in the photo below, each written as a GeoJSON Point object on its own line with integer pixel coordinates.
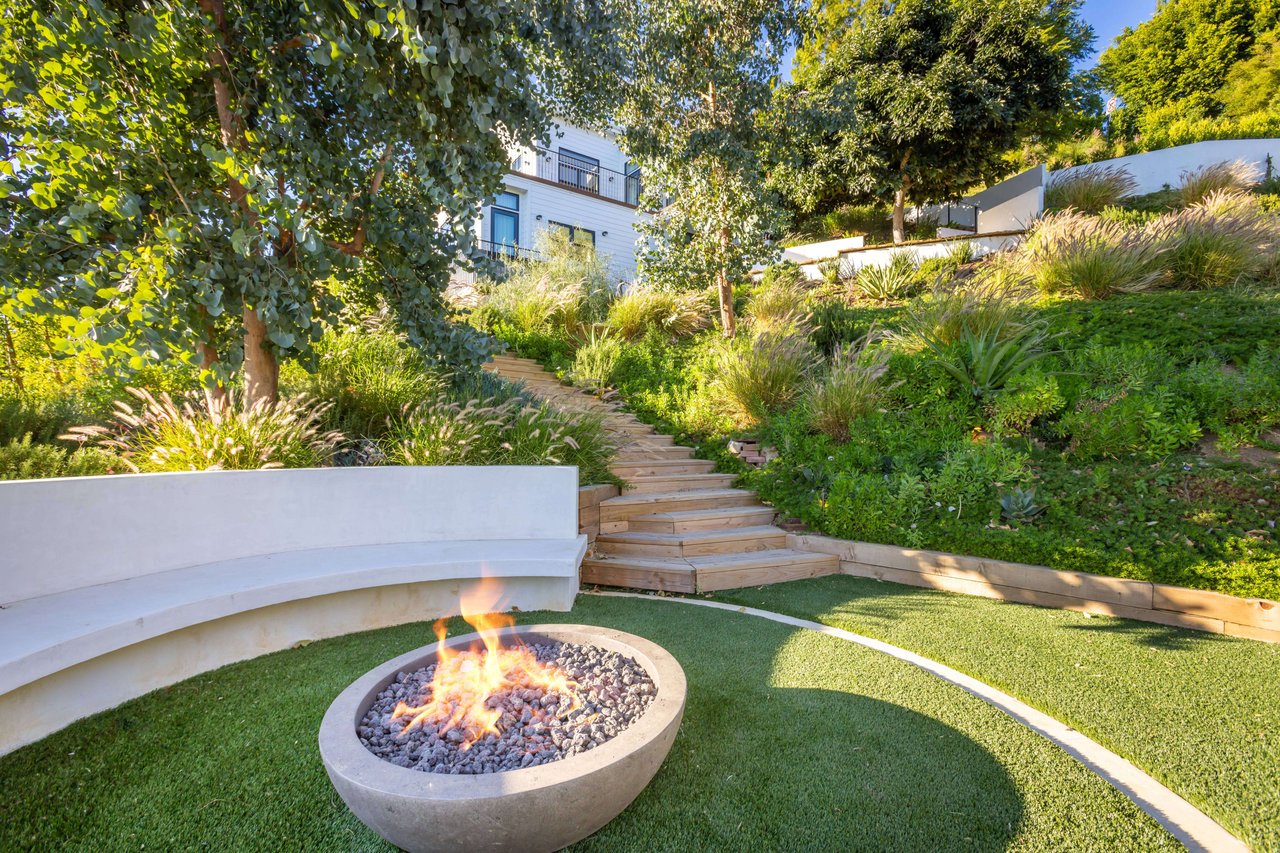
{"type": "Point", "coordinates": [1238, 405]}
{"type": "Point", "coordinates": [1070, 252]}
{"type": "Point", "coordinates": [20, 459]}
{"type": "Point", "coordinates": [365, 378]}
{"type": "Point", "coordinates": [894, 280]}
{"type": "Point", "coordinates": [1218, 241]}
{"type": "Point", "coordinates": [947, 314]}
{"type": "Point", "coordinates": [761, 375]}
{"type": "Point", "coordinates": [852, 387]}
{"type": "Point", "coordinates": [972, 474]}
{"type": "Point", "coordinates": [595, 361]}
{"type": "Point", "coordinates": [1149, 424]}
{"type": "Point", "coordinates": [779, 309]}
{"type": "Point", "coordinates": [1198, 184]}
{"type": "Point", "coordinates": [161, 435]}
{"type": "Point", "coordinates": [485, 432]}
{"type": "Point", "coordinates": [42, 418]}
{"type": "Point", "coordinates": [1026, 398]}
{"type": "Point", "coordinates": [564, 292]}
{"type": "Point", "coordinates": [1089, 189]}
{"type": "Point", "coordinates": [640, 309]}
{"type": "Point", "coordinates": [984, 362]}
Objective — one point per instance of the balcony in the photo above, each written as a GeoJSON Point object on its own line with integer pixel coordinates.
{"type": "Point", "coordinates": [507, 252]}
{"type": "Point", "coordinates": [579, 174]}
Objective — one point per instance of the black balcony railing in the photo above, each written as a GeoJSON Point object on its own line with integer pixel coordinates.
{"type": "Point", "coordinates": [960, 215]}
{"type": "Point", "coordinates": [507, 252]}
{"type": "Point", "coordinates": [580, 174]}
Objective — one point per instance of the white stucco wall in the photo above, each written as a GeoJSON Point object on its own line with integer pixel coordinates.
{"type": "Point", "coordinates": [72, 532]}
{"type": "Point", "coordinates": [114, 586]}
{"type": "Point", "coordinates": [879, 256]}
{"type": "Point", "coordinates": [1154, 169]}
{"type": "Point", "coordinates": [822, 250]}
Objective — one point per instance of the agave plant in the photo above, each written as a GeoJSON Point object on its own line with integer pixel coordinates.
{"type": "Point", "coordinates": [1020, 505]}
{"type": "Point", "coordinates": [983, 360]}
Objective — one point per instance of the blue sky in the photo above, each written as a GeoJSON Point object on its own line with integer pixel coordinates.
{"type": "Point", "coordinates": [1108, 18]}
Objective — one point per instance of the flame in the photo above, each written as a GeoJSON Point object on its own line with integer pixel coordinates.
{"type": "Point", "coordinates": [465, 682]}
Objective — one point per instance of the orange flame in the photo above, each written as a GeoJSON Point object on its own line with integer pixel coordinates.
{"type": "Point", "coordinates": [465, 682]}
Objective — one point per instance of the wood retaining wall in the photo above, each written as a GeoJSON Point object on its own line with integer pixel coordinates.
{"type": "Point", "coordinates": [1253, 618]}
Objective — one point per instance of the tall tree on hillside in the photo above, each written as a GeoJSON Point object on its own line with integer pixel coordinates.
{"type": "Point", "coordinates": [919, 99]}
{"type": "Point", "coordinates": [700, 73]}
{"type": "Point", "coordinates": [1183, 55]}
{"type": "Point", "coordinates": [185, 178]}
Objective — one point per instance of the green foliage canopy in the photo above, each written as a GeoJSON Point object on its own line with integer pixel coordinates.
{"type": "Point", "coordinates": [1182, 55]}
{"type": "Point", "coordinates": [920, 99]}
{"type": "Point", "coordinates": [184, 179]}
{"type": "Point", "coordinates": [700, 75]}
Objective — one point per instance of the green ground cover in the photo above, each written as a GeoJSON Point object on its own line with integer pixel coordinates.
{"type": "Point", "coordinates": [1197, 711]}
{"type": "Point", "coordinates": [1129, 484]}
{"type": "Point", "coordinates": [790, 740]}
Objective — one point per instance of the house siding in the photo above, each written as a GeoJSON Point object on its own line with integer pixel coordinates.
{"type": "Point", "coordinates": [543, 202]}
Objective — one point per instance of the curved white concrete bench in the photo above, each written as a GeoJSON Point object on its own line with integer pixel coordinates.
{"type": "Point", "coordinates": [113, 586]}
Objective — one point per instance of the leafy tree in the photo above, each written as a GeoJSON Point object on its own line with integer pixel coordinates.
{"type": "Point", "coordinates": [203, 179]}
{"type": "Point", "coordinates": [1253, 84]}
{"type": "Point", "coordinates": [919, 100]}
{"type": "Point", "coordinates": [1182, 55]}
{"type": "Point", "coordinates": [700, 74]}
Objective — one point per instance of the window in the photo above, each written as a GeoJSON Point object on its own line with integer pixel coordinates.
{"type": "Point", "coordinates": [633, 185]}
{"type": "Point", "coordinates": [578, 170]}
{"type": "Point", "coordinates": [575, 234]}
{"type": "Point", "coordinates": [504, 223]}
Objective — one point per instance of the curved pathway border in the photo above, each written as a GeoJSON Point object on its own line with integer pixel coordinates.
{"type": "Point", "coordinates": [1184, 821]}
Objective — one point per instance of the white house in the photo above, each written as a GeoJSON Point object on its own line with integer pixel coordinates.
{"type": "Point", "coordinates": [576, 181]}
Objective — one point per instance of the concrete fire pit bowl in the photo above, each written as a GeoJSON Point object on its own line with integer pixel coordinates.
{"type": "Point", "coordinates": [539, 808]}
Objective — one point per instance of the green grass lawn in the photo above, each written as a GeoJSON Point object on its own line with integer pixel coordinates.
{"type": "Point", "coordinates": [1200, 712]}
{"type": "Point", "coordinates": [791, 740]}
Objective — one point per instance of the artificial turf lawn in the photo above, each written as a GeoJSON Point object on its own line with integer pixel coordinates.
{"type": "Point", "coordinates": [1200, 712]}
{"type": "Point", "coordinates": [791, 740]}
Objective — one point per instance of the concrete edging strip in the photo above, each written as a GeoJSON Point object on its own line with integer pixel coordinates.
{"type": "Point", "coordinates": [1196, 830]}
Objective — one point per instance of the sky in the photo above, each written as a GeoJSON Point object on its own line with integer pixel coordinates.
{"type": "Point", "coordinates": [1108, 18]}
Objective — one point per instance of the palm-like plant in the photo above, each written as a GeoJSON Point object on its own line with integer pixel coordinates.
{"type": "Point", "coordinates": [984, 360]}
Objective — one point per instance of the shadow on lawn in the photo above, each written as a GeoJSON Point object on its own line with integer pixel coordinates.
{"type": "Point", "coordinates": [1162, 637]}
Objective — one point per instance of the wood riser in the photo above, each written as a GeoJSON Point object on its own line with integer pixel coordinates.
{"type": "Point", "coordinates": [631, 470]}
{"type": "Point", "coordinates": [640, 486]}
{"type": "Point", "coordinates": [694, 549]}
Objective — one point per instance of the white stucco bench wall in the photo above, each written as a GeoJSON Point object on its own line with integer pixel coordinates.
{"type": "Point", "coordinates": [113, 586]}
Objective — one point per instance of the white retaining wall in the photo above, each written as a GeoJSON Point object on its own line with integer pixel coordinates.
{"type": "Point", "coordinates": [880, 256]}
{"type": "Point", "coordinates": [1154, 169]}
{"type": "Point", "coordinates": [111, 587]}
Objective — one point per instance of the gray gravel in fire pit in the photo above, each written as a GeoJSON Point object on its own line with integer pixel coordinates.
{"type": "Point", "coordinates": [535, 726]}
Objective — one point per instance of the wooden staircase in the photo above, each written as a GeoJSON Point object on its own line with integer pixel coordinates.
{"type": "Point", "coordinates": [677, 526]}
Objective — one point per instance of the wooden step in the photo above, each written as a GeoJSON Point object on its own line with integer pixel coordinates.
{"type": "Point", "coordinates": [677, 483]}
{"type": "Point", "coordinates": [661, 467]}
{"type": "Point", "coordinates": [614, 512]}
{"type": "Point", "coordinates": [732, 571]}
{"type": "Point", "coordinates": [702, 543]}
{"type": "Point", "coordinates": [688, 521]}
{"type": "Point", "coordinates": [647, 442]}
{"type": "Point", "coordinates": [631, 453]}
{"type": "Point", "coordinates": [639, 572]}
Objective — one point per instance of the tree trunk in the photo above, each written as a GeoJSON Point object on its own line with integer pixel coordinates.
{"type": "Point", "coordinates": [900, 200]}
{"type": "Point", "coordinates": [215, 395]}
{"type": "Point", "coordinates": [900, 215]}
{"type": "Point", "coordinates": [728, 323]}
{"type": "Point", "coordinates": [11, 351]}
{"type": "Point", "coordinates": [261, 370]}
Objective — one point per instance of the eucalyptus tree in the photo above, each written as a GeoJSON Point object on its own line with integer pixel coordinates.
{"type": "Point", "coordinates": [699, 75]}
{"type": "Point", "coordinates": [920, 99]}
{"type": "Point", "coordinates": [211, 179]}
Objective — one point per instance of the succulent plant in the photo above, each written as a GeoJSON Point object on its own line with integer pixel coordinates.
{"type": "Point", "coordinates": [1020, 505]}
